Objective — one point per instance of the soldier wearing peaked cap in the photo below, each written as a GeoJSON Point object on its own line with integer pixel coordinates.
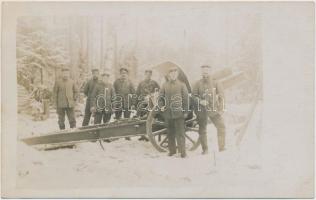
{"type": "Point", "coordinates": [123, 69]}
{"type": "Point", "coordinates": [65, 94]}
{"type": "Point", "coordinates": [103, 97]}
{"type": "Point", "coordinates": [89, 91]}
{"type": "Point", "coordinates": [149, 71]}
{"type": "Point", "coordinates": [208, 96]}
{"type": "Point", "coordinates": [144, 89]}
{"type": "Point", "coordinates": [174, 110]}
{"type": "Point", "coordinates": [65, 69]}
{"type": "Point", "coordinates": [125, 94]}
{"type": "Point", "coordinates": [124, 89]}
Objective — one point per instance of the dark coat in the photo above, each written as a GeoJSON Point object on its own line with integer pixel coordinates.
{"type": "Point", "coordinates": [208, 90]}
{"type": "Point", "coordinates": [176, 97]}
{"type": "Point", "coordinates": [124, 88]}
{"type": "Point", "coordinates": [103, 97]}
{"type": "Point", "coordinates": [89, 91]}
{"type": "Point", "coordinates": [146, 87]}
{"type": "Point", "coordinates": [65, 93]}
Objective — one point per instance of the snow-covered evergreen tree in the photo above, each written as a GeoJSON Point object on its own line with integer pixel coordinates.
{"type": "Point", "coordinates": [40, 53]}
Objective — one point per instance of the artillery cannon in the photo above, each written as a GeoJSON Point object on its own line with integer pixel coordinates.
{"type": "Point", "coordinates": [152, 125]}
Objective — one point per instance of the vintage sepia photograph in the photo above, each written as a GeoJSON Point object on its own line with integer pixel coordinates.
{"type": "Point", "coordinates": [158, 99]}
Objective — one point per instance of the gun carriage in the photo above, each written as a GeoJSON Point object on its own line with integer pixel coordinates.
{"type": "Point", "coordinates": [151, 125]}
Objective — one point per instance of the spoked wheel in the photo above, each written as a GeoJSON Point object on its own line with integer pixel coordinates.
{"type": "Point", "coordinates": [192, 134]}
{"type": "Point", "coordinates": [157, 133]}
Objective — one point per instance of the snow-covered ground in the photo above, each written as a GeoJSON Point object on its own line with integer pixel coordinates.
{"type": "Point", "coordinates": [253, 168]}
{"type": "Point", "coordinates": [240, 170]}
{"type": "Point", "coordinates": [275, 158]}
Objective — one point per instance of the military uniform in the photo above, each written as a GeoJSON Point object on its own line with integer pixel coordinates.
{"type": "Point", "coordinates": [65, 94]}
{"type": "Point", "coordinates": [175, 95]}
{"type": "Point", "coordinates": [208, 89]}
{"type": "Point", "coordinates": [89, 91]}
{"type": "Point", "coordinates": [103, 96]}
{"type": "Point", "coordinates": [144, 89]}
{"type": "Point", "coordinates": [125, 93]}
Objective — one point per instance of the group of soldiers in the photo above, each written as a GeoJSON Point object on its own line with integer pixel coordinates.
{"type": "Point", "coordinates": [104, 99]}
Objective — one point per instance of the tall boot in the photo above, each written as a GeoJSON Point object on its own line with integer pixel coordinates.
{"type": "Point", "coordinates": [221, 142]}
{"type": "Point", "coordinates": [203, 139]}
{"type": "Point", "coordinates": [62, 126]}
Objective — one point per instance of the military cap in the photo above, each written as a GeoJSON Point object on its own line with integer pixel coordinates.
{"type": "Point", "coordinates": [105, 73]}
{"type": "Point", "coordinates": [206, 66]}
{"type": "Point", "coordinates": [172, 68]}
{"type": "Point", "coordinates": [94, 69]}
{"type": "Point", "coordinates": [65, 69]}
{"type": "Point", "coordinates": [123, 69]}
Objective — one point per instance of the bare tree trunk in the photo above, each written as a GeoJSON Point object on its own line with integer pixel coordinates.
{"type": "Point", "coordinates": [115, 56]}
{"type": "Point", "coordinates": [101, 46]}
{"type": "Point", "coordinates": [89, 45]}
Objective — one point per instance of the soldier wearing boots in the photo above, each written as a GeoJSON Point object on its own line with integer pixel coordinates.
{"type": "Point", "coordinates": [89, 91]}
{"type": "Point", "coordinates": [124, 89]}
{"type": "Point", "coordinates": [209, 98]}
{"type": "Point", "coordinates": [144, 90]}
{"type": "Point", "coordinates": [175, 109]}
{"type": "Point", "coordinates": [65, 95]}
{"type": "Point", "coordinates": [101, 104]}
{"type": "Point", "coordinates": [125, 92]}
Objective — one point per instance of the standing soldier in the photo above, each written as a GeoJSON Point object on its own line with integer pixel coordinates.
{"type": "Point", "coordinates": [102, 103]}
{"type": "Point", "coordinates": [209, 98]}
{"type": "Point", "coordinates": [124, 89]}
{"type": "Point", "coordinates": [174, 93]}
{"type": "Point", "coordinates": [65, 95]}
{"type": "Point", "coordinates": [125, 92]}
{"type": "Point", "coordinates": [89, 92]}
{"type": "Point", "coordinates": [144, 90]}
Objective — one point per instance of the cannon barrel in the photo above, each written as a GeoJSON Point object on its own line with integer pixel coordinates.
{"type": "Point", "coordinates": [125, 128]}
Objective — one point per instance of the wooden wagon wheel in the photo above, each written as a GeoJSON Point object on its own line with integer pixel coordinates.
{"type": "Point", "coordinates": [157, 133]}
{"type": "Point", "coordinates": [192, 134]}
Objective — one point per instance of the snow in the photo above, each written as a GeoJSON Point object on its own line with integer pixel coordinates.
{"type": "Point", "coordinates": [275, 157]}
{"type": "Point", "coordinates": [123, 163]}
{"type": "Point", "coordinates": [137, 164]}
{"type": "Point", "coordinates": [250, 169]}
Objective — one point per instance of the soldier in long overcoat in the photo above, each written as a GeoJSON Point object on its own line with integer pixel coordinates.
{"type": "Point", "coordinates": [144, 89]}
{"type": "Point", "coordinates": [65, 95]}
{"type": "Point", "coordinates": [102, 103]}
{"type": "Point", "coordinates": [174, 95]}
{"type": "Point", "coordinates": [209, 100]}
{"type": "Point", "coordinates": [89, 91]}
{"type": "Point", "coordinates": [125, 94]}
